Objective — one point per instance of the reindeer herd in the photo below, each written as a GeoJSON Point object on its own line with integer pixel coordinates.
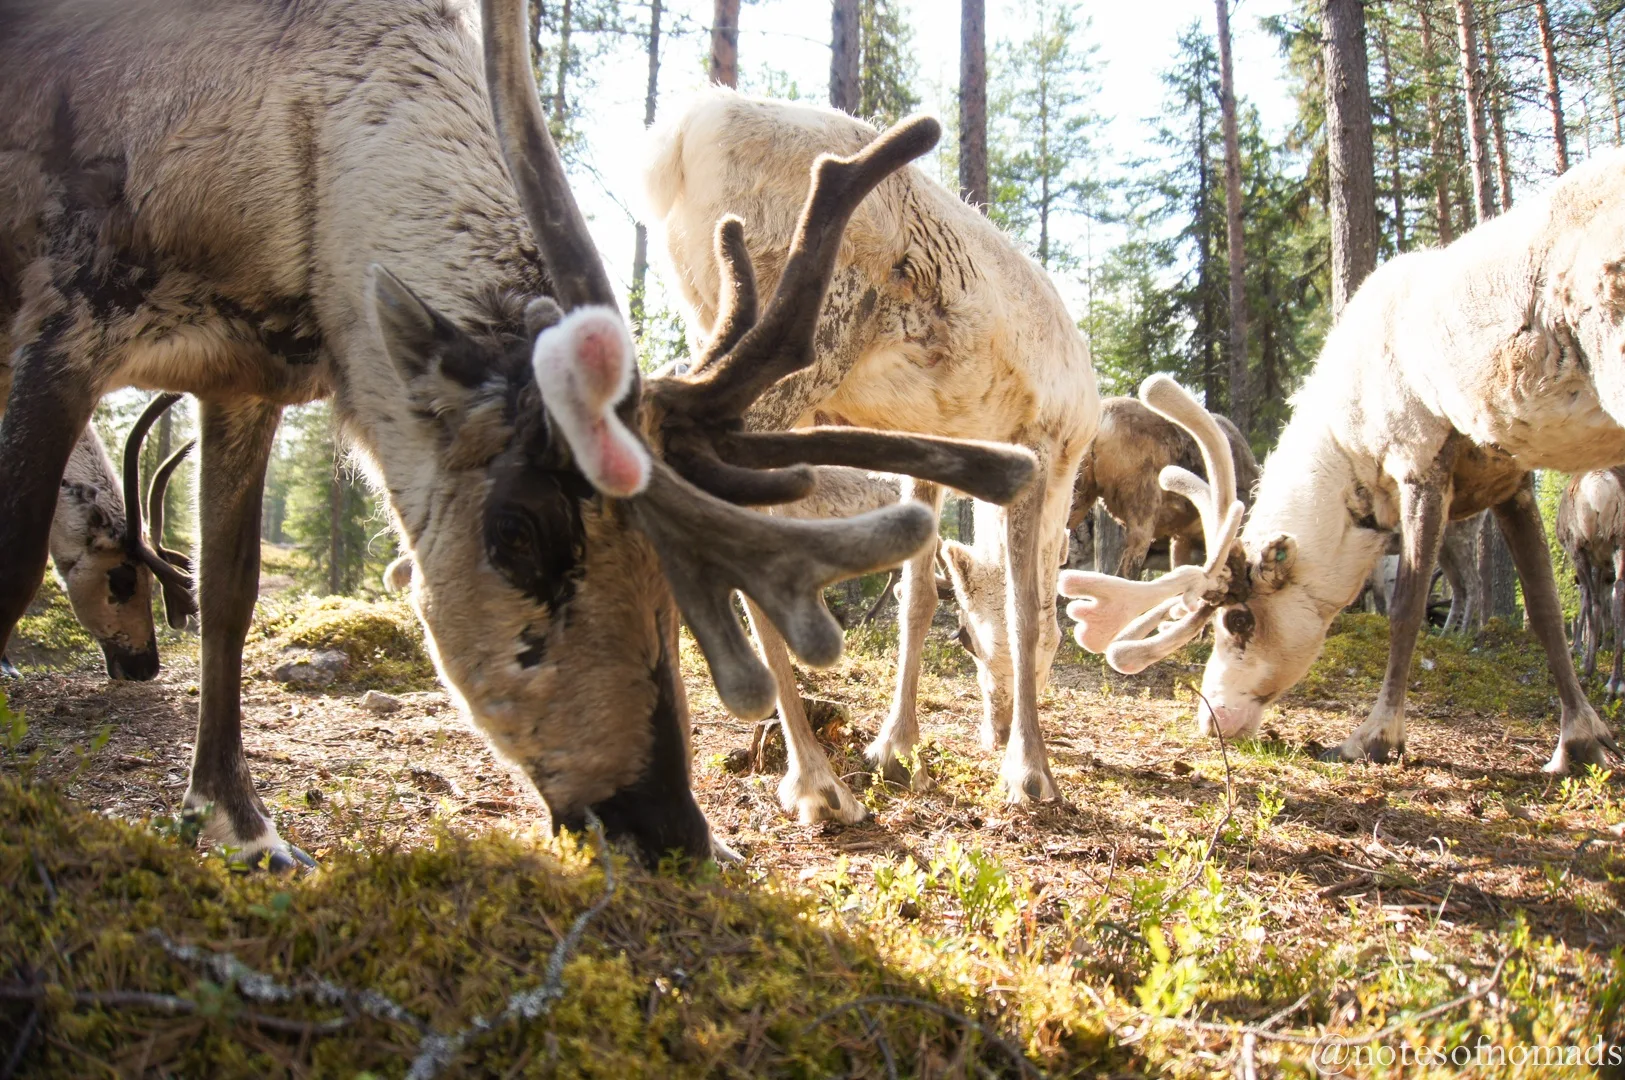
{"type": "Point", "coordinates": [265, 204]}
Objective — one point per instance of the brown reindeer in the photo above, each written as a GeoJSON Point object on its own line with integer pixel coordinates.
{"type": "Point", "coordinates": [205, 198]}
{"type": "Point", "coordinates": [99, 549]}
{"type": "Point", "coordinates": [1591, 528]}
{"type": "Point", "coordinates": [1121, 468]}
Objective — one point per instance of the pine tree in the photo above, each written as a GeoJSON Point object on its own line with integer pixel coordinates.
{"type": "Point", "coordinates": [887, 69]}
{"type": "Point", "coordinates": [1042, 144]}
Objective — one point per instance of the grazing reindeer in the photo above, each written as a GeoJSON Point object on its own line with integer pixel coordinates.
{"type": "Point", "coordinates": [1121, 468]}
{"type": "Point", "coordinates": [1451, 375]}
{"type": "Point", "coordinates": [1591, 528]}
{"type": "Point", "coordinates": [101, 556]}
{"type": "Point", "coordinates": [205, 198]}
{"type": "Point", "coordinates": [934, 323]}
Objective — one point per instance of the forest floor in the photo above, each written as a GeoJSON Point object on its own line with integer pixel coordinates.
{"type": "Point", "coordinates": [1188, 909]}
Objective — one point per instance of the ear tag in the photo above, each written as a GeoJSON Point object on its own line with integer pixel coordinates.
{"type": "Point", "coordinates": [1280, 554]}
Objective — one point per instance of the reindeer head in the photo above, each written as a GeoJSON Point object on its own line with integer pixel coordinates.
{"type": "Point", "coordinates": [105, 562]}
{"type": "Point", "coordinates": [578, 509]}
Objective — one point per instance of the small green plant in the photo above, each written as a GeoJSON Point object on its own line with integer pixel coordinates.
{"type": "Point", "coordinates": [979, 884]}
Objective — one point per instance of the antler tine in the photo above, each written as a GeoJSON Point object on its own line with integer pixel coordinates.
{"type": "Point", "coordinates": [783, 564]}
{"type": "Point", "coordinates": [1132, 654]}
{"type": "Point", "coordinates": [155, 505]}
{"type": "Point", "coordinates": [736, 302]}
{"type": "Point", "coordinates": [573, 264]}
{"type": "Point", "coordinates": [782, 341]}
{"type": "Point", "coordinates": [177, 585]}
{"type": "Point", "coordinates": [991, 472]}
{"type": "Point", "coordinates": [1169, 400]}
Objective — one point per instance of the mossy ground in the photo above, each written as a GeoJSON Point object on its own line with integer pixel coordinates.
{"type": "Point", "coordinates": [1168, 892]}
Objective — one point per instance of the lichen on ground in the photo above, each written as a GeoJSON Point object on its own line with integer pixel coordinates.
{"type": "Point", "coordinates": [382, 638]}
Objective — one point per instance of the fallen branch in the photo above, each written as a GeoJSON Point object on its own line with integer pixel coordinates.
{"type": "Point", "coordinates": [166, 1003]}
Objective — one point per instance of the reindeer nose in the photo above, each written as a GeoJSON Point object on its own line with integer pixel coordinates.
{"type": "Point", "coordinates": [137, 666]}
{"type": "Point", "coordinates": [1231, 723]}
{"type": "Point", "coordinates": [654, 823]}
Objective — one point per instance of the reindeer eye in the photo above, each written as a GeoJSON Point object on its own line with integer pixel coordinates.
{"type": "Point", "coordinates": [1239, 621]}
{"type": "Point", "coordinates": [514, 533]}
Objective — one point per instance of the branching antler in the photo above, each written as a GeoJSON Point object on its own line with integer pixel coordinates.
{"type": "Point", "coordinates": [176, 582]}
{"type": "Point", "coordinates": [1115, 616]}
{"type": "Point", "coordinates": [685, 501]}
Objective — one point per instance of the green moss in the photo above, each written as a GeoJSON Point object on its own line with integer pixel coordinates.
{"type": "Point", "coordinates": [382, 638]}
{"type": "Point", "coordinates": [1500, 671]}
{"type": "Point", "coordinates": [50, 632]}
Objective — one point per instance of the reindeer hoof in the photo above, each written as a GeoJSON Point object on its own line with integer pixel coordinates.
{"type": "Point", "coordinates": [724, 855]}
{"type": "Point", "coordinates": [828, 801]}
{"type": "Point", "coordinates": [1377, 751]}
{"type": "Point", "coordinates": [1576, 752]}
{"type": "Point", "coordinates": [284, 859]}
{"type": "Point", "coordinates": [1031, 787]}
{"type": "Point", "coordinates": [8, 670]}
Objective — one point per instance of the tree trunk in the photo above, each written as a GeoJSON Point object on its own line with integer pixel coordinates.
{"type": "Point", "coordinates": [1496, 94]}
{"type": "Point", "coordinates": [335, 528]}
{"type": "Point", "coordinates": [725, 43]}
{"type": "Point", "coordinates": [967, 521]}
{"type": "Point", "coordinates": [1436, 145]}
{"type": "Point", "coordinates": [1108, 541]}
{"type": "Point", "coordinates": [843, 58]}
{"type": "Point", "coordinates": [1554, 89]}
{"type": "Point", "coordinates": [1348, 150]}
{"type": "Point", "coordinates": [1396, 181]}
{"type": "Point", "coordinates": [973, 103]}
{"type": "Point", "coordinates": [1241, 399]}
{"type": "Point", "coordinates": [1473, 84]}
{"type": "Point", "coordinates": [1204, 261]}
{"type": "Point", "coordinates": [640, 244]}
{"type": "Point", "coordinates": [564, 65]}
{"type": "Point", "coordinates": [1613, 81]}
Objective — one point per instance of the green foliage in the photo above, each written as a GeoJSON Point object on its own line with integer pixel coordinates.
{"type": "Point", "coordinates": [50, 629]}
{"type": "Point", "coordinates": [886, 63]}
{"type": "Point", "coordinates": [679, 976]}
{"type": "Point", "coordinates": [382, 638]}
{"type": "Point", "coordinates": [1042, 129]}
{"type": "Point", "coordinates": [326, 508]}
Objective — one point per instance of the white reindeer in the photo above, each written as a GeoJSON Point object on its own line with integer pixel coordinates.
{"type": "Point", "coordinates": [934, 322]}
{"type": "Point", "coordinates": [1451, 375]}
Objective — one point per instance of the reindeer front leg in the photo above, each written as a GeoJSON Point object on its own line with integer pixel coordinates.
{"type": "Point", "coordinates": [236, 441]}
{"type": "Point", "coordinates": [1029, 584]}
{"type": "Point", "coordinates": [1583, 735]}
{"type": "Point", "coordinates": [919, 602]}
{"type": "Point", "coordinates": [810, 789]}
{"type": "Point", "coordinates": [1422, 507]}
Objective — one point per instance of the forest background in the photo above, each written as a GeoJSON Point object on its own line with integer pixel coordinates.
{"type": "Point", "coordinates": [1105, 154]}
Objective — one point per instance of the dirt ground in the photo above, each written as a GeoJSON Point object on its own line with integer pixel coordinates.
{"type": "Point", "coordinates": [1438, 854]}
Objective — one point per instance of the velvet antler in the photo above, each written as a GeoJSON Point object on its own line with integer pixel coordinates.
{"type": "Point", "coordinates": [175, 580]}
{"type": "Point", "coordinates": [1114, 615]}
{"type": "Point", "coordinates": [708, 547]}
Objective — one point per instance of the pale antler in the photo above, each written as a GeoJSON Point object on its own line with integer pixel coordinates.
{"type": "Point", "coordinates": [707, 547]}
{"type": "Point", "coordinates": [1114, 615]}
{"type": "Point", "coordinates": [176, 582]}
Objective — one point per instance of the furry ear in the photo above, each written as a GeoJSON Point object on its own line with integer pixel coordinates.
{"type": "Point", "coordinates": [957, 562]}
{"type": "Point", "coordinates": [398, 574]}
{"type": "Point", "coordinates": [1272, 568]}
{"type": "Point", "coordinates": [439, 363]}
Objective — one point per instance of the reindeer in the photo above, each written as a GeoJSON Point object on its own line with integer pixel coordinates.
{"type": "Point", "coordinates": [1121, 468]}
{"type": "Point", "coordinates": [934, 323]}
{"type": "Point", "coordinates": [1450, 377]}
{"type": "Point", "coordinates": [100, 553]}
{"type": "Point", "coordinates": [1591, 528]}
{"type": "Point", "coordinates": [206, 200]}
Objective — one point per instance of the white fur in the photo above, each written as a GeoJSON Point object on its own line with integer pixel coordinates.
{"type": "Point", "coordinates": [581, 393]}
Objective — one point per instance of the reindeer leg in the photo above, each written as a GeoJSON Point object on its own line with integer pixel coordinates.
{"type": "Point", "coordinates": [236, 446]}
{"type": "Point", "coordinates": [919, 602]}
{"type": "Point", "coordinates": [1586, 639]}
{"type": "Point", "coordinates": [1449, 562]}
{"type": "Point", "coordinates": [1616, 685]}
{"type": "Point", "coordinates": [810, 789]}
{"type": "Point", "coordinates": [1584, 736]}
{"type": "Point", "coordinates": [51, 398]}
{"type": "Point", "coordinates": [1029, 582]}
{"type": "Point", "coordinates": [1422, 505]}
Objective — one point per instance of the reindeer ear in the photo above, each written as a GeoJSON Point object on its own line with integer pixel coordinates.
{"type": "Point", "coordinates": [436, 359]}
{"type": "Point", "coordinates": [1273, 566]}
{"type": "Point", "coordinates": [958, 562]}
{"type": "Point", "coordinates": [398, 574]}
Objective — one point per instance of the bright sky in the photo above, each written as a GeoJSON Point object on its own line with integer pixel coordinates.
{"type": "Point", "coordinates": [1136, 42]}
